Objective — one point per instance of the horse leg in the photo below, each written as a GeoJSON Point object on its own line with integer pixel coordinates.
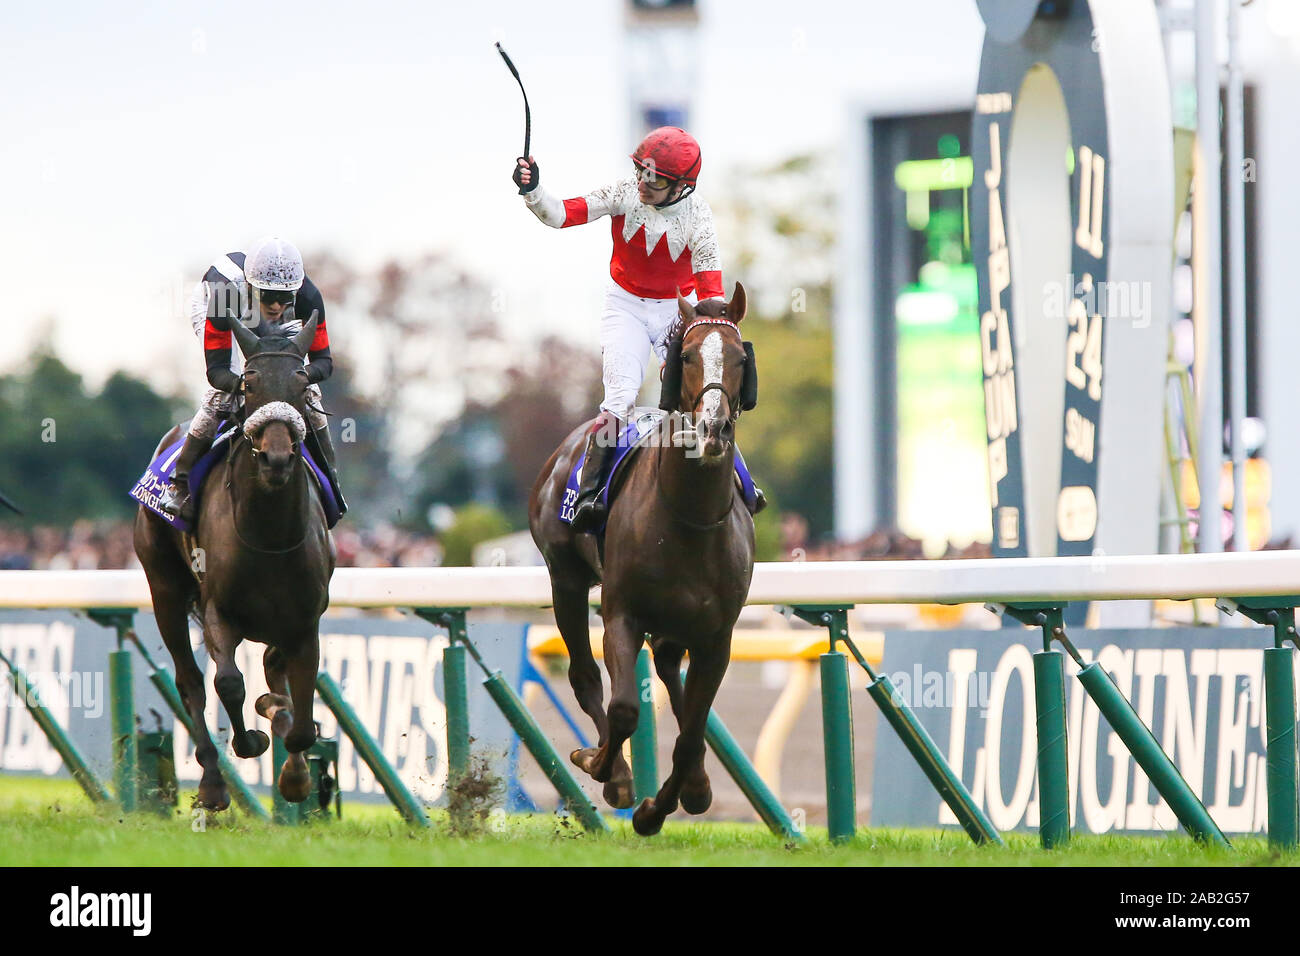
{"type": "Point", "coordinates": [275, 704]}
{"type": "Point", "coordinates": [702, 682]}
{"type": "Point", "coordinates": [623, 641]}
{"type": "Point", "coordinates": [300, 669]}
{"type": "Point", "coordinates": [229, 683]}
{"type": "Point", "coordinates": [571, 615]}
{"type": "Point", "coordinates": [668, 665]}
{"type": "Point", "coordinates": [170, 611]}
{"type": "Point", "coordinates": [696, 795]}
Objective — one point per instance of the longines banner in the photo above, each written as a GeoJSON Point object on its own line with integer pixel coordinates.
{"type": "Point", "coordinates": [1200, 691]}
{"type": "Point", "coordinates": [390, 670]}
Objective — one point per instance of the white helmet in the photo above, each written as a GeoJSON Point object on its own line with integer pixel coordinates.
{"type": "Point", "coordinates": [273, 264]}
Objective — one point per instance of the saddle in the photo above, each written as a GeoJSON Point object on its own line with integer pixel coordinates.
{"type": "Point", "coordinates": [635, 435]}
{"type": "Point", "coordinates": [148, 490]}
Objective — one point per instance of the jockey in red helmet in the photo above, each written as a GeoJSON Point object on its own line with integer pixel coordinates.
{"type": "Point", "coordinates": [664, 241]}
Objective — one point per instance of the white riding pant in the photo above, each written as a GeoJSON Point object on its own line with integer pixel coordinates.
{"type": "Point", "coordinates": [630, 328]}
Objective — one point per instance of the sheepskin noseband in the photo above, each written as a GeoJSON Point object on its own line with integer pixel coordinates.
{"type": "Point", "coordinates": [276, 412]}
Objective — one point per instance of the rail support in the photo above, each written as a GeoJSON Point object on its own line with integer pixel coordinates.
{"type": "Point", "coordinates": [645, 762]}
{"type": "Point", "coordinates": [1049, 704]}
{"type": "Point", "coordinates": [514, 711]}
{"type": "Point", "coordinates": [914, 736]}
{"type": "Point", "coordinates": [121, 697]}
{"type": "Point", "coordinates": [1280, 712]}
{"type": "Point", "coordinates": [59, 740]}
{"type": "Point", "coordinates": [368, 749]}
{"type": "Point", "coordinates": [1123, 719]}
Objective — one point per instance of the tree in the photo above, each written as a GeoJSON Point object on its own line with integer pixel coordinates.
{"type": "Point", "coordinates": [779, 241]}
{"type": "Point", "coordinates": [66, 453]}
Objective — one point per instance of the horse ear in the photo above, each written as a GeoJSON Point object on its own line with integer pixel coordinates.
{"type": "Point", "coordinates": [685, 309]}
{"type": "Point", "coordinates": [737, 306]}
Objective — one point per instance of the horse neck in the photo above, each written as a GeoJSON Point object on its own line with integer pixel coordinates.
{"type": "Point", "coordinates": [695, 492]}
{"type": "Point", "coordinates": [268, 519]}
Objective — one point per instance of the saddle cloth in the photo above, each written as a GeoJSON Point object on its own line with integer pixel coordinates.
{"type": "Point", "coordinates": [635, 435]}
{"type": "Point", "coordinates": [148, 490]}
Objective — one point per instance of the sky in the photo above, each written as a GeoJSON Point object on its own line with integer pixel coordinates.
{"type": "Point", "coordinates": [141, 140]}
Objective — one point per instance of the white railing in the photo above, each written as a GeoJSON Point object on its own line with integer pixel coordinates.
{"type": "Point", "coordinates": [1097, 578]}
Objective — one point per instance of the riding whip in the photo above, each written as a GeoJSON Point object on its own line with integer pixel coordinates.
{"type": "Point", "coordinates": [528, 116]}
{"type": "Point", "coordinates": [9, 504]}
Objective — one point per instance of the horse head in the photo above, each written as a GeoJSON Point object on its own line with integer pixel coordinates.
{"type": "Point", "coordinates": [274, 389]}
{"type": "Point", "coordinates": [710, 374]}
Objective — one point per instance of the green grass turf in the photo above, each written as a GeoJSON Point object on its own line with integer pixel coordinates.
{"type": "Point", "coordinates": [51, 823]}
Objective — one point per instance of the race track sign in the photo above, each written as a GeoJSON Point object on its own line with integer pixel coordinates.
{"type": "Point", "coordinates": [1071, 218]}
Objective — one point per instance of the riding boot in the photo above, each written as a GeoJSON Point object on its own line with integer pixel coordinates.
{"type": "Point", "coordinates": [322, 449]}
{"type": "Point", "coordinates": [176, 499]}
{"type": "Point", "coordinates": [589, 512]}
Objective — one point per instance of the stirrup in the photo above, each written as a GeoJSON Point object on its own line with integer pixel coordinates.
{"type": "Point", "coordinates": [177, 503]}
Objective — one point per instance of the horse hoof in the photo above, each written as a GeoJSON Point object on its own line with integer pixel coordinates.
{"type": "Point", "coordinates": [646, 822]}
{"type": "Point", "coordinates": [619, 794]}
{"type": "Point", "coordinates": [282, 723]}
{"type": "Point", "coordinates": [295, 786]}
{"type": "Point", "coordinates": [254, 744]}
{"type": "Point", "coordinates": [583, 759]}
{"type": "Point", "coordinates": [214, 796]}
{"type": "Point", "coordinates": [698, 800]}
{"type": "Point", "coordinates": [270, 702]}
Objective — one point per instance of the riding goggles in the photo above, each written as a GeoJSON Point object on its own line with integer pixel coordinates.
{"type": "Point", "coordinates": [274, 296]}
{"type": "Point", "coordinates": [652, 177]}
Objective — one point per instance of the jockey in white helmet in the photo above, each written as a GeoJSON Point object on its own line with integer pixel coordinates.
{"type": "Point", "coordinates": [268, 291]}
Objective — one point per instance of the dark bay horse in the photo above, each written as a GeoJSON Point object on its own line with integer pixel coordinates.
{"type": "Point", "coordinates": [257, 568]}
{"type": "Point", "coordinates": [676, 565]}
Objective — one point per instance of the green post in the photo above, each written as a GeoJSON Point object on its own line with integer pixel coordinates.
{"type": "Point", "coordinates": [570, 792]}
{"type": "Point", "coordinates": [122, 713]}
{"type": "Point", "coordinates": [368, 750]}
{"type": "Point", "coordinates": [751, 784]}
{"type": "Point", "coordinates": [282, 811]}
{"type": "Point", "coordinates": [1279, 702]}
{"type": "Point", "coordinates": [1049, 700]}
{"type": "Point", "coordinates": [72, 759]}
{"type": "Point", "coordinates": [645, 764]}
{"type": "Point", "coordinates": [1146, 751]}
{"type": "Point", "coordinates": [927, 754]}
{"type": "Point", "coordinates": [455, 688]}
{"type": "Point", "coordinates": [837, 735]}
{"type": "Point", "coordinates": [1053, 759]}
{"type": "Point", "coordinates": [1278, 612]}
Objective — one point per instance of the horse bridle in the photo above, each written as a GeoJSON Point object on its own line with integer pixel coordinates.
{"type": "Point", "coordinates": [732, 403]}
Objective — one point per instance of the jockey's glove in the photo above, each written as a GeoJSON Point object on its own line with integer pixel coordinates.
{"type": "Point", "coordinates": [315, 373]}
{"type": "Point", "coordinates": [533, 172]}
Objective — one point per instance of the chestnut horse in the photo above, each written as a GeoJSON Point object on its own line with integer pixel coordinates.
{"type": "Point", "coordinates": [677, 560]}
{"type": "Point", "coordinates": [257, 568]}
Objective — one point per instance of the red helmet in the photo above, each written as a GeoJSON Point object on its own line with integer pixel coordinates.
{"type": "Point", "coordinates": [670, 152]}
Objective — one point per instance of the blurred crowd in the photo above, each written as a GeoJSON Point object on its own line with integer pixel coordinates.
{"type": "Point", "coordinates": [93, 545]}
{"type": "Point", "coordinates": [884, 544]}
{"type": "Point", "coordinates": [97, 545]}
